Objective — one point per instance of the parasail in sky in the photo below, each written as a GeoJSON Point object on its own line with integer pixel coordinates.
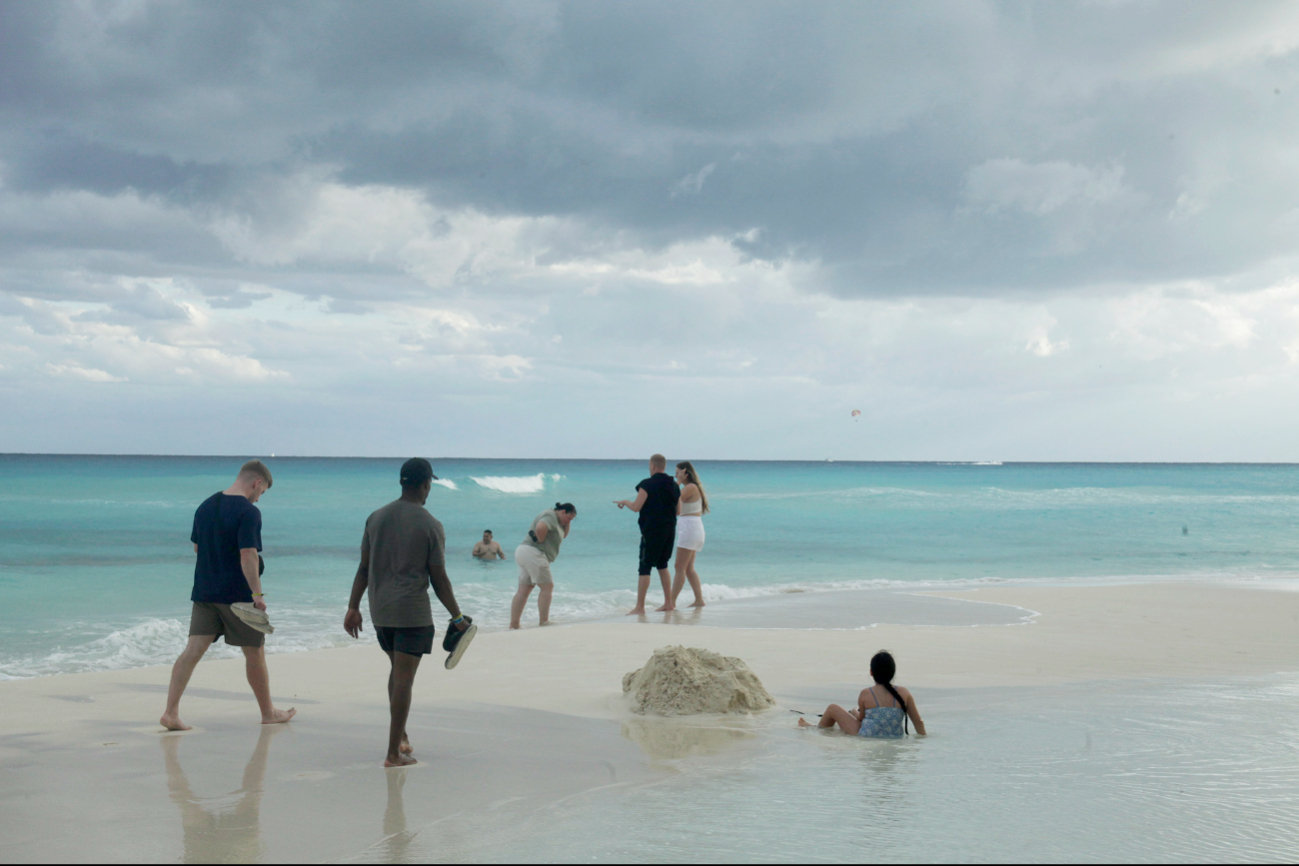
{"type": "Point", "coordinates": [856, 412]}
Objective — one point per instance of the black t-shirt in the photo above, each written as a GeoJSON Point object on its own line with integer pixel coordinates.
{"type": "Point", "coordinates": [218, 576]}
{"type": "Point", "coordinates": [660, 508]}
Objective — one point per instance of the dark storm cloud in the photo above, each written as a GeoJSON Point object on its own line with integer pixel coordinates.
{"type": "Point", "coordinates": [965, 148]}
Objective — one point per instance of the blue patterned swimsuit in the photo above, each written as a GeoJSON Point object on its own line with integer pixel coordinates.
{"type": "Point", "coordinates": [880, 721]}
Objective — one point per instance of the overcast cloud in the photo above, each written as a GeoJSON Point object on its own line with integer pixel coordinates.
{"type": "Point", "coordinates": [1000, 230]}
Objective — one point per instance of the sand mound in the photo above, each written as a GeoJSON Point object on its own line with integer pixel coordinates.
{"type": "Point", "coordinates": [680, 681]}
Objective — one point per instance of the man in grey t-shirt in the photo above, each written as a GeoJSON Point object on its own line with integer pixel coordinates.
{"type": "Point", "coordinates": [403, 551]}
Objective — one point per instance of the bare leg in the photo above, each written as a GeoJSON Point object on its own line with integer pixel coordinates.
{"type": "Point", "coordinates": [406, 747]}
{"type": "Point", "coordinates": [180, 674]}
{"type": "Point", "coordinates": [404, 666]}
{"type": "Point", "coordinates": [543, 602]}
{"type": "Point", "coordinates": [667, 591]}
{"type": "Point", "coordinates": [686, 565]}
{"type": "Point", "coordinates": [835, 714]}
{"type": "Point", "coordinates": [693, 577]}
{"type": "Point", "coordinates": [679, 579]}
{"type": "Point", "coordinates": [642, 587]}
{"type": "Point", "coordinates": [519, 602]}
{"type": "Point", "coordinates": [260, 679]}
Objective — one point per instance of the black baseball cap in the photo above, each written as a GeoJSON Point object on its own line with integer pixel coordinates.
{"type": "Point", "coordinates": [416, 471]}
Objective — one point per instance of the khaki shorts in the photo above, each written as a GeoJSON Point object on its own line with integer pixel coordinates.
{"type": "Point", "coordinates": [534, 568]}
{"type": "Point", "coordinates": [218, 620]}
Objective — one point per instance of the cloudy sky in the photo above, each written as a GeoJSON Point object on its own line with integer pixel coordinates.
{"type": "Point", "coordinates": [1002, 231]}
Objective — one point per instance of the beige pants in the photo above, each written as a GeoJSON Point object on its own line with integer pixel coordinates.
{"type": "Point", "coordinates": [218, 619]}
{"type": "Point", "coordinates": [534, 568]}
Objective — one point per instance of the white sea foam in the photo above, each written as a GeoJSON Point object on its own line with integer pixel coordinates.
{"type": "Point", "coordinates": [514, 483]}
{"type": "Point", "coordinates": [157, 641]}
{"type": "Point", "coordinates": [445, 482]}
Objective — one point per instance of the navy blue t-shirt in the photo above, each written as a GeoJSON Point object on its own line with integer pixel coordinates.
{"type": "Point", "coordinates": [218, 576]}
{"type": "Point", "coordinates": [661, 495]}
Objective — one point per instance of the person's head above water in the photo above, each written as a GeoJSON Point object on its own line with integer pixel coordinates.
{"type": "Point", "coordinates": [658, 463]}
{"type": "Point", "coordinates": [416, 479]}
{"type": "Point", "coordinates": [565, 511]}
{"type": "Point", "coordinates": [883, 669]}
{"type": "Point", "coordinates": [487, 535]}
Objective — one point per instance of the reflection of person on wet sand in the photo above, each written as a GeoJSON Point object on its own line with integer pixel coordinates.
{"type": "Point", "coordinates": [396, 839]}
{"type": "Point", "coordinates": [221, 832]}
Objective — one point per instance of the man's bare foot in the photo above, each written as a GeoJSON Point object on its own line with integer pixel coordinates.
{"type": "Point", "coordinates": [698, 603]}
{"type": "Point", "coordinates": [636, 611]}
{"type": "Point", "coordinates": [667, 608]}
{"type": "Point", "coordinates": [280, 716]}
{"type": "Point", "coordinates": [173, 723]}
{"type": "Point", "coordinates": [803, 723]}
{"type": "Point", "coordinates": [514, 625]}
{"type": "Point", "coordinates": [544, 622]}
{"type": "Point", "coordinates": [399, 761]}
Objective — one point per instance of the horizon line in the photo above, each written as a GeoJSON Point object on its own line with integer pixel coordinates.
{"type": "Point", "coordinates": [988, 463]}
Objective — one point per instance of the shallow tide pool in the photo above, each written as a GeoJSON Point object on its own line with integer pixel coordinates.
{"type": "Point", "coordinates": [1103, 771]}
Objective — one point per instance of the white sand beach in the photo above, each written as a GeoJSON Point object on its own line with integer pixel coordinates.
{"type": "Point", "coordinates": [528, 720]}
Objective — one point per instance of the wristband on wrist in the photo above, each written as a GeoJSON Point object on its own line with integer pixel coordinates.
{"type": "Point", "coordinates": [257, 595]}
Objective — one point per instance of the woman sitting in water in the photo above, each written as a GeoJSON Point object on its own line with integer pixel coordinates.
{"type": "Point", "coordinates": [882, 709]}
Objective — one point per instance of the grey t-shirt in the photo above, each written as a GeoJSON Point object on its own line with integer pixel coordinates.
{"type": "Point", "coordinates": [554, 535]}
{"type": "Point", "coordinates": [405, 544]}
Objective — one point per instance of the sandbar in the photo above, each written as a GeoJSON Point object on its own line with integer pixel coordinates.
{"type": "Point", "coordinates": [528, 719]}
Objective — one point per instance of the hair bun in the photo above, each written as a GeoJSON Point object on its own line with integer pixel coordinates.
{"type": "Point", "coordinates": [558, 505]}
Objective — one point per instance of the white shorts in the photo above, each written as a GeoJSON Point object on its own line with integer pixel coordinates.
{"type": "Point", "coordinates": [690, 532]}
{"type": "Point", "coordinates": [534, 568]}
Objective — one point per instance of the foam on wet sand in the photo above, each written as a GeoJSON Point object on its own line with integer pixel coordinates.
{"type": "Point", "coordinates": [530, 719]}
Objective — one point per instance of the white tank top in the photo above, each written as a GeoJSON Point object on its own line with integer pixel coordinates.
{"type": "Point", "coordinates": [692, 509]}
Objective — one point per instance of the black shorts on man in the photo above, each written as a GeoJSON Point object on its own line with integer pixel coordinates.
{"type": "Point", "coordinates": [413, 641]}
{"type": "Point", "coordinates": [656, 541]}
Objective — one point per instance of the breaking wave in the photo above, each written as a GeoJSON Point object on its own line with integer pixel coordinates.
{"type": "Point", "coordinates": [514, 483]}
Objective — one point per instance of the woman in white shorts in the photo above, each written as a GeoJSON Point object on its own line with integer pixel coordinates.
{"type": "Point", "coordinates": [534, 557]}
{"type": "Point", "coordinates": [691, 508]}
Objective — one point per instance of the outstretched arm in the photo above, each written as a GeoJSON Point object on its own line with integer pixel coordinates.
{"type": "Point", "coordinates": [352, 620]}
{"type": "Point", "coordinates": [641, 496]}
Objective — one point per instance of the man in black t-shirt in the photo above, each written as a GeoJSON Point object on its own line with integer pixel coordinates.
{"type": "Point", "coordinates": [656, 502]}
{"type": "Point", "coordinates": [227, 535]}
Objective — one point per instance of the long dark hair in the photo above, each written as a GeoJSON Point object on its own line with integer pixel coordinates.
{"type": "Point", "coordinates": [566, 506]}
{"type": "Point", "coordinates": [692, 477]}
{"type": "Point", "coordinates": [883, 667]}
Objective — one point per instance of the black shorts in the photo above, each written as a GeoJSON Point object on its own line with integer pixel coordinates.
{"type": "Point", "coordinates": [656, 542]}
{"type": "Point", "coordinates": [414, 641]}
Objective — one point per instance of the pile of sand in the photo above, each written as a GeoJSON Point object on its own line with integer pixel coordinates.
{"type": "Point", "coordinates": [681, 681]}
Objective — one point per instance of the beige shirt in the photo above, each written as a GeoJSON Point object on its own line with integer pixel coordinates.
{"type": "Point", "coordinates": [405, 544]}
{"type": "Point", "coordinates": [554, 535]}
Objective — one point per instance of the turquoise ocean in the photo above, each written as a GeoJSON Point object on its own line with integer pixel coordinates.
{"type": "Point", "coordinates": [96, 565]}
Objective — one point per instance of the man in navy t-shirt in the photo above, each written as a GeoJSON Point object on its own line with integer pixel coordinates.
{"type": "Point", "coordinates": [656, 502]}
{"type": "Point", "coordinates": [227, 536]}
